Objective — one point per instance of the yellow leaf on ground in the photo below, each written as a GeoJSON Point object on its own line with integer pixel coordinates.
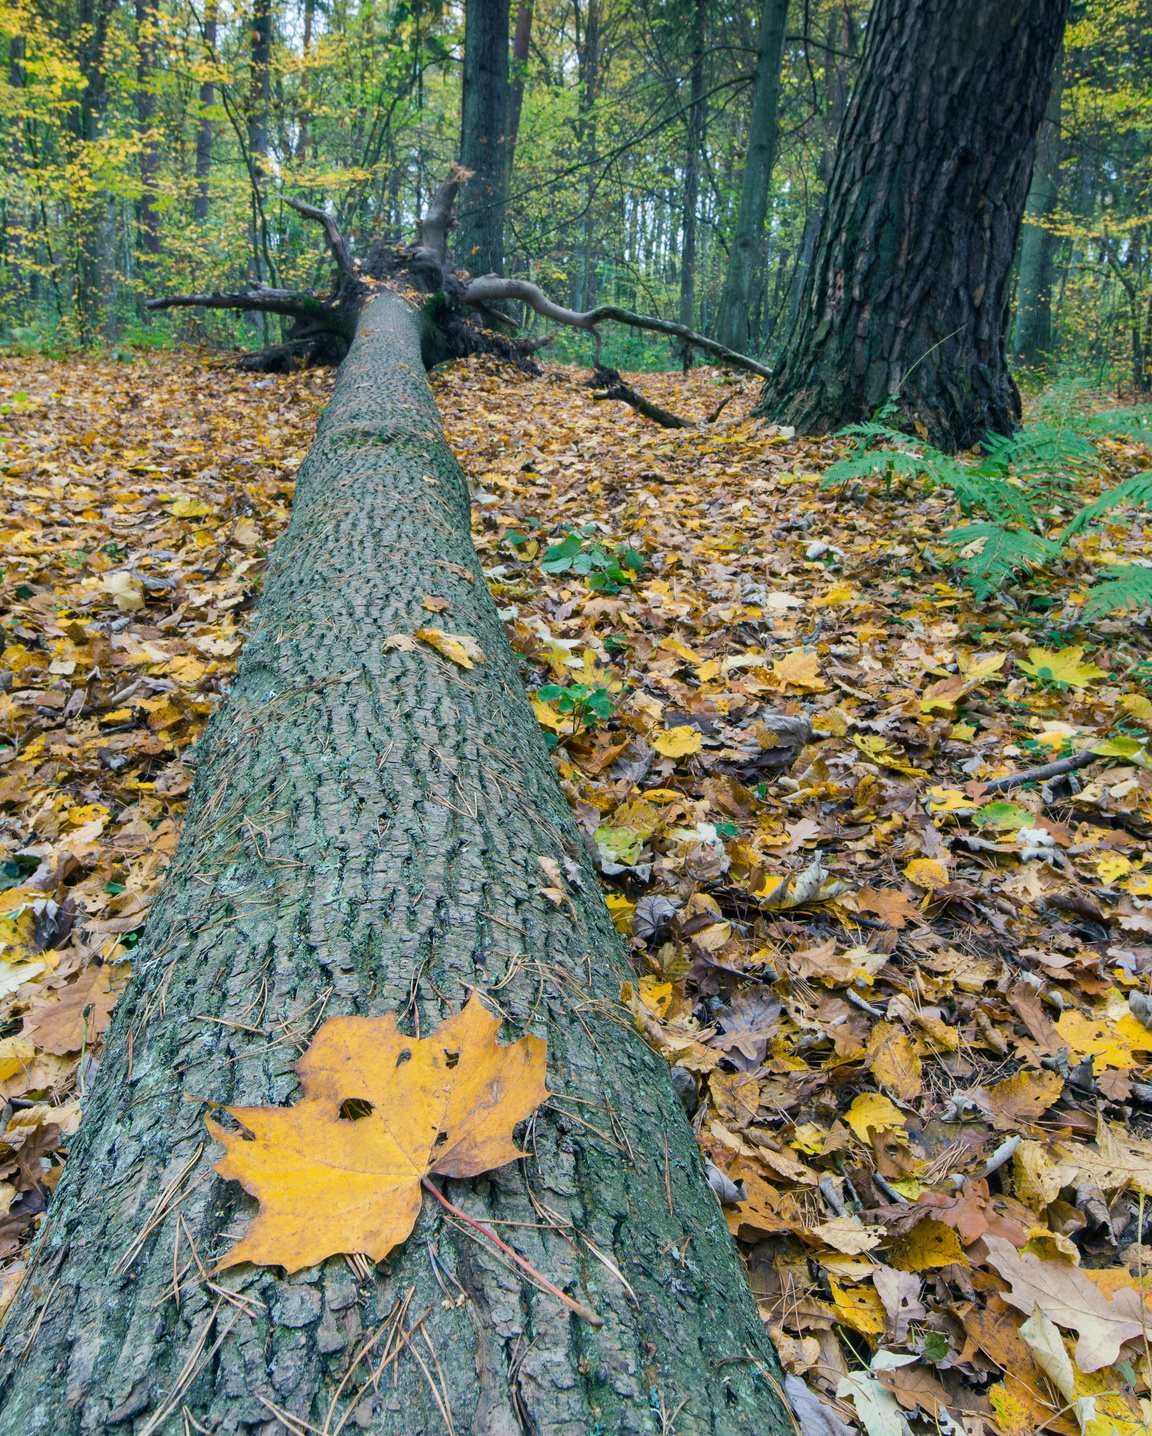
{"type": "Point", "coordinates": [858, 1307]}
{"type": "Point", "coordinates": [872, 1111]}
{"type": "Point", "coordinates": [340, 1171]}
{"type": "Point", "coordinates": [927, 873]}
{"type": "Point", "coordinates": [847, 1234]}
{"type": "Point", "coordinates": [678, 742]}
{"type": "Point", "coordinates": [893, 1061]}
{"type": "Point", "coordinates": [1109, 1044]}
{"type": "Point", "coordinates": [798, 669]}
{"type": "Point", "coordinates": [928, 1246]}
{"type": "Point", "coordinates": [459, 647]}
{"type": "Point", "coordinates": [1022, 1098]}
{"type": "Point", "coordinates": [1065, 667]}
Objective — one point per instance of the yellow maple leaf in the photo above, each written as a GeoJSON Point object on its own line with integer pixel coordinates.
{"type": "Point", "coordinates": [678, 742]}
{"type": "Point", "coordinates": [459, 647]}
{"type": "Point", "coordinates": [1065, 667]}
{"type": "Point", "coordinates": [798, 669]}
{"type": "Point", "coordinates": [1113, 866]}
{"type": "Point", "coordinates": [341, 1171]}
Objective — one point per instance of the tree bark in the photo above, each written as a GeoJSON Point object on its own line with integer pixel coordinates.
{"type": "Point", "coordinates": [733, 326]}
{"type": "Point", "coordinates": [146, 20]}
{"type": "Point", "coordinates": [907, 294]}
{"type": "Point", "coordinates": [521, 40]}
{"type": "Point", "coordinates": [364, 836]}
{"type": "Point", "coordinates": [692, 158]}
{"type": "Point", "coordinates": [1032, 340]}
{"type": "Point", "coordinates": [483, 133]}
{"type": "Point", "coordinates": [259, 101]}
{"type": "Point", "coordinates": [204, 125]}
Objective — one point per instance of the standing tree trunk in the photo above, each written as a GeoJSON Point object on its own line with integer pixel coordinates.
{"type": "Point", "coordinates": [1032, 340]}
{"type": "Point", "coordinates": [259, 100]}
{"type": "Point", "coordinates": [692, 159]}
{"type": "Point", "coordinates": [588, 60]}
{"type": "Point", "coordinates": [146, 19]}
{"type": "Point", "coordinates": [906, 298]}
{"type": "Point", "coordinates": [483, 132]}
{"type": "Point", "coordinates": [521, 40]}
{"type": "Point", "coordinates": [734, 322]}
{"type": "Point", "coordinates": [365, 835]}
{"type": "Point", "coordinates": [204, 126]}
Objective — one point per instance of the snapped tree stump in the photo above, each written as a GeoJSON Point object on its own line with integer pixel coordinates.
{"type": "Point", "coordinates": [364, 835]}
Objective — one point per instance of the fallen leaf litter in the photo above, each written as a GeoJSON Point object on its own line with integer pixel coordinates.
{"type": "Point", "coordinates": [907, 1011]}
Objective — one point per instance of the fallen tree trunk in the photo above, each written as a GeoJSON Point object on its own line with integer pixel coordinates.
{"type": "Point", "coordinates": [365, 834]}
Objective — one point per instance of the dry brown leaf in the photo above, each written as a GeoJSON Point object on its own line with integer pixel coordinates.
{"type": "Point", "coordinates": [1068, 1297]}
{"type": "Point", "coordinates": [1022, 1098]}
{"type": "Point", "coordinates": [60, 1026]}
{"type": "Point", "coordinates": [329, 1180]}
{"type": "Point", "coordinates": [435, 603]}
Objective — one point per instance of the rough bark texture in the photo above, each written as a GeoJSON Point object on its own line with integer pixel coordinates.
{"type": "Point", "coordinates": [908, 289]}
{"type": "Point", "coordinates": [1032, 340]}
{"type": "Point", "coordinates": [364, 836]}
{"type": "Point", "coordinates": [483, 135]}
{"type": "Point", "coordinates": [733, 326]}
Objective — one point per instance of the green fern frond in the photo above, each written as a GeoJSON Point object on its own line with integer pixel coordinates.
{"type": "Point", "coordinates": [1003, 552]}
{"type": "Point", "coordinates": [1133, 422]}
{"type": "Point", "coordinates": [1136, 489]}
{"type": "Point", "coordinates": [1119, 588]}
{"type": "Point", "coordinates": [875, 463]}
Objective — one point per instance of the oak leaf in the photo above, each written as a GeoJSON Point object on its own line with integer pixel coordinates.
{"type": "Point", "coordinates": [341, 1170]}
{"type": "Point", "coordinates": [1067, 1296]}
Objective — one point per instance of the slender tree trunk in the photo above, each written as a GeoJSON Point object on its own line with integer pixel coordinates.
{"type": "Point", "coordinates": [907, 295]}
{"type": "Point", "coordinates": [14, 212]}
{"type": "Point", "coordinates": [521, 40]}
{"type": "Point", "coordinates": [146, 18]}
{"type": "Point", "coordinates": [305, 84]}
{"type": "Point", "coordinates": [94, 220]}
{"type": "Point", "coordinates": [483, 133]}
{"type": "Point", "coordinates": [734, 324]}
{"type": "Point", "coordinates": [589, 62]}
{"type": "Point", "coordinates": [204, 126]}
{"type": "Point", "coordinates": [364, 836]}
{"type": "Point", "coordinates": [1032, 340]}
{"type": "Point", "coordinates": [692, 175]}
{"type": "Point", "coordinates": [261, 95]}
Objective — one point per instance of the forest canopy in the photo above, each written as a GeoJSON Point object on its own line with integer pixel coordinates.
{"type": "Point", "coordinates": [151, 148]}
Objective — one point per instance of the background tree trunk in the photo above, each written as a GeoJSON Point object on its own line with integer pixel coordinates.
{"type": "Point", "coordinates": [907, 292]}
{"type": "Point", "coordinates": [1032, 340]}
{"type": "Point", "coordinates": [692, 157]}
{"type": "Point", "coordinates": [258, 105]}
{"type": "Point", "coordinates": [521, 41]}
{"type": "Point", "coordinates": [204, 124]}
{"type": "Point", "coordinates": [146, 18]}
{"type": "Point", "coordinates": [733, 326]}
{"type": "Point", "coordinates": [364, 836]}
{"type": "Point", "coordinates": [483, 132]}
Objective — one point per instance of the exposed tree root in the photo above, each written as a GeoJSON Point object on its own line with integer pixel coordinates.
{"type": "Point", "coordinates": [323, 325]}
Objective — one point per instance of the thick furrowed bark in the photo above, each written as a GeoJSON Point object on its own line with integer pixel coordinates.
{"type": "Point", "coordinates": [364, 836]}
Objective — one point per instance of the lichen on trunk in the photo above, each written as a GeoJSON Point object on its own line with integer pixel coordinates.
{"type": "Point", "coordinates": [364, 836]}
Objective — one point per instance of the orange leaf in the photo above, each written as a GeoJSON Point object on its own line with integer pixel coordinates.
{"type": "Point", "coordinates": [330, 1180]}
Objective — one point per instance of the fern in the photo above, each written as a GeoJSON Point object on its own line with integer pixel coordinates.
{"type": "Point", "coordinates": [1136, 489]}
{"type": "Point", "coordinates": [1120, 588]}
{"type": "Point", "coordinates": [1003, 553]}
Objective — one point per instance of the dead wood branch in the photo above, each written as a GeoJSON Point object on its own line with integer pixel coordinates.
{"type": "Point", "coordinates": [612, 386]}
{"type": "Point", "coordinates": [491, 289]}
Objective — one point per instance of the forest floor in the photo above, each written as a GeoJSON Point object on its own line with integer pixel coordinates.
{"type": "Point", "coordinates": [906, 1010]}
